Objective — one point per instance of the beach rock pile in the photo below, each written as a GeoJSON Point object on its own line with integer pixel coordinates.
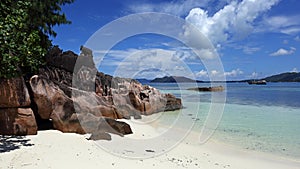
{"type": "Point", "coordinates": [74, 97]}
{"type": "Point", "coordinates": [16, 116]}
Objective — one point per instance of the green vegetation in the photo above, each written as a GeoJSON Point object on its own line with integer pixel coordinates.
{"type": "Point", "coordinates": [25, 27]}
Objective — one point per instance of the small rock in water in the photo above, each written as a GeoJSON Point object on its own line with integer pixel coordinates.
{"type": "Point", "coordinates": [150, 151]}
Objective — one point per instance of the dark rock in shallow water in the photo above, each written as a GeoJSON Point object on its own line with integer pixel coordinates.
{"type": "Point", "coordinates": [173, 103]}
{"type": "Point", "coordinates": [208, 89]}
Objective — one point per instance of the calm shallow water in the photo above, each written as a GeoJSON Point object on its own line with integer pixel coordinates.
{"type": "Point", "coordinates": [260, 118]}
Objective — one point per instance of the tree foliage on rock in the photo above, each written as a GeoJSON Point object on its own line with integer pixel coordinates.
{"type": "Point", "coordinates": [25, 27]}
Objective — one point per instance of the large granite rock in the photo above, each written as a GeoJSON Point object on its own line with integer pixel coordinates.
{"type": "Point", "coordinates": [45, 95]}
{"type": "Point", "coordinates": [100, 127]}
{"type": "Point", "coordinates": [173, 103]}
{"type": "Point", "coordinates": [127, 97]}
{"type": "Point", "coordinates": [13, 93]}
{"type": "Point", "coordinates": [137, 99]}
{"type": "Point", "coordinates": [86, 113]}
{"type": "Point", "coordinates": [16, 118]}
{"type": "Point", "coordinates": [63, 60]}
{"type": "Point", "coordinates": [53, 104]}
{"type": "Point", "coordinates": [17, 121]}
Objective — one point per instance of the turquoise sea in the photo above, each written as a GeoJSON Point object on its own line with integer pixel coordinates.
{"type": "Point", "coordinates": [260, 118]}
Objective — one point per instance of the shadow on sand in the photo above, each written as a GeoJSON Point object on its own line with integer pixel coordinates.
{"type": "Point", "coordinates": [10, 143]}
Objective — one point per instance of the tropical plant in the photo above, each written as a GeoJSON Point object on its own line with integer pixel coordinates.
{"type": "Point", "coordinates": [25, 28]}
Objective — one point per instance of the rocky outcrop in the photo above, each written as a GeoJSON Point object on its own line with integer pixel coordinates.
{"type": "Point", "coordinates": [17, 121]}
{"type": "Point", "coordinates": [13, 93]}
{"type": "Point", "coordinates": [77, 114]}
{"type": "Point", "coordinates": [62, 60]}
{"type": "Point", "coordinates": [16, 116]}
{"type": "Point", "coordinates": [53, 104]}
{"type": "Point", "coordinates": [173, 103]}
{"type": "Point", "coordinates": [77, 98]}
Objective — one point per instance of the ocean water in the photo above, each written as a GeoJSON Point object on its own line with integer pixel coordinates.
{"type": "Point", "coordinates": [259, 118]}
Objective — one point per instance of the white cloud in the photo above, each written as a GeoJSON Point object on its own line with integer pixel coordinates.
{"type": "Point", "coordinates": [285, 42]}
{"type": "Point", "coordinates": [294, 70]}
{"type": "Point", "coordinates": [250, 50]}
{"type": "Point", "coordinates": [202, 73]}
{"type": "Point", "coordinates": [179, 8]}
{"type": "Point", "coordinates": [147, 63]}
{"type": "Point", "coordinates": [206, 53]}
{"type": "Point", "coordinates": [214, 72]}
{"type": "Point", "coordinates": [291, 31]}
{"type": "Point", "coordinates": [234, 21]}
{"type": "Point", "coordinates": [254, 75]}
{"type": "Point", "coordinates": [233, 73]}
{"type": "Point", "coordinates": [282, 51]}
{"type": "Point", "coordinates": [198, 42]}
{"type": "Point", "coordinates": [297, 38]}
{"type": "Point", "coordinates": [285, 24]}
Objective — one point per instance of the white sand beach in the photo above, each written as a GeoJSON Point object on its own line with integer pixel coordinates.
{"type": "Point", "coordinates": [53, 149]}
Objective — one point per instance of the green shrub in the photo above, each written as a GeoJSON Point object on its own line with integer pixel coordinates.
{"type": "Point", "coordinates": [25, 27]}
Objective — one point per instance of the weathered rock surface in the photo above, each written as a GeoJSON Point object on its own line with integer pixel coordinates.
{"type": "Point", "coordinates": [63, 60]}
{"type": "Point", "coordinates": [173, 103]}
{"type": "Point", "coordinates": [143, 100]}
{"type": "Point", "coordinates": [13, 93]}
{"type": "Point", "coordinates": [53, 104]}
{"type": "Point", "coordinates": [78, 114]}
{"type": "Point", "coordinates": [77, 98]}
{"type": "Point", "coordinates": [16, 118]}
{"type": "Point", "coordinates": [17, 121]}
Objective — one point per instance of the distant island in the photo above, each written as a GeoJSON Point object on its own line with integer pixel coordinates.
{"type": "Point", "coordinates": [283, 77]}
{"type": "Point", "coordinates": [143, 81]}
{"type": "Point", "coordinates": [174, 79]}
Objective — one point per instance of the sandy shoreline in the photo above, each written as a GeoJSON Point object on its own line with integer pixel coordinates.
{"type": "Point", "coordinates": [53, 149]}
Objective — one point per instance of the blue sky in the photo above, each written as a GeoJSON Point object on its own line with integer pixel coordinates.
{"type": "Point", "coordinates": [253, 38]}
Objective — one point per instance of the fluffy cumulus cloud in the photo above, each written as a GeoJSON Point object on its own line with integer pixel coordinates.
{"type": "Point", "coordinates": [234, 73]}
{"type": "Point", "coordinates": [206, 75]}
{"type": "Point", "coordinates": [281, 52]}
{"type": "Point", "coordinates": [215, 73]}
{"type": "Point", "coordinates": [198, 42]}
{"type": "Point", "coordinates": [233, 21]}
